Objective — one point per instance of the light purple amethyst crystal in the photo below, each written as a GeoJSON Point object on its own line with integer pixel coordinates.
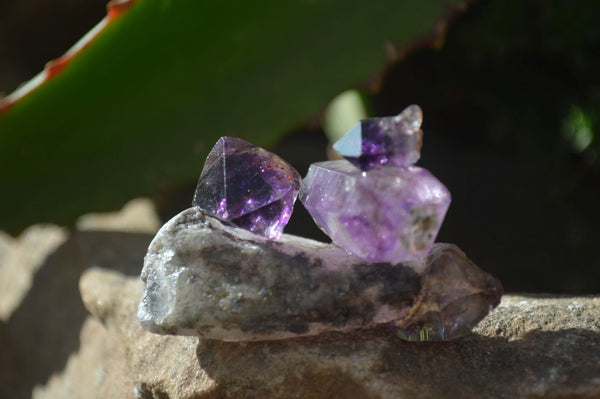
{"type": "Point", "coordinates": [386, 214]}
{"type": "Point", "coordinates": [392, 140]}
{"type": "Point", "coordinates": [248, 186]}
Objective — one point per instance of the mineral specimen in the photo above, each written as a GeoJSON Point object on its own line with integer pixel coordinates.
{"type": "Point", "coordinates": [207, 278]}
{"type": "Point", "coordinates": [449, 305]}
{"type": "Point", "coordinates": [386, 214]}
{"type": "Point", "coordinates": [248, 186]}
{"type": "Point", "coordinates": [392, 140]}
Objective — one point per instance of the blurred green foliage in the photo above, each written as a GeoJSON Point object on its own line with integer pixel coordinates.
{"type": "Point", "coordinates": [144, 103]}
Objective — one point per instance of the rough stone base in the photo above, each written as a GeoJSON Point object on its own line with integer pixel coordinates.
{"type": "Point", "coordinates": [529, 347]}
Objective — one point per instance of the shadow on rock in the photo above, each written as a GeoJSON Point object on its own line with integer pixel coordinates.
{"type": "Point", "coordinates": [44, 330]}
{"type": "Point", "coordinates": [374, 363]}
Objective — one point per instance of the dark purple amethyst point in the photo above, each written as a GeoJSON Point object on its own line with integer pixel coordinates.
{"type": "Point", "coordinates": [248, 186]}
{"type": "Point", "coordinates": [374, 142]}
{"type": "Point", "coordinates": [455, 296]}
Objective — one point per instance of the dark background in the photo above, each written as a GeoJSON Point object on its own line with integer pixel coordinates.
{"type": "Point", "coordinates": [505, 97]}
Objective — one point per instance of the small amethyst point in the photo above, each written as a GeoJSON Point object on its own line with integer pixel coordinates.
{"type": "Point", "coordinates": [392, 140]}
{"type": "Point", "coordinates": [248, 186]}
{"type": "Point", "coordinates": [456, 295]}
{"type": "Point", "coordinates": [387, 214]}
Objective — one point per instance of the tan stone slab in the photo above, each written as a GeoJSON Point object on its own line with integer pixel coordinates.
{"type": "Point", "coordinates": [530, 347]}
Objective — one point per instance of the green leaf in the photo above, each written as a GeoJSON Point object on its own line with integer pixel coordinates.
{"type": "Point", "coordinates": [143, 104]}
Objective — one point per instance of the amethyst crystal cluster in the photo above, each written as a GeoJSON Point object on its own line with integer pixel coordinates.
{"type": "Point", "coordinates": [381, 211]}
{"type": "Point", "coordinates": [377, 205]}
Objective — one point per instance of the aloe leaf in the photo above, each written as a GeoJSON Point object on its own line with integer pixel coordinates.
{"type": "Point", "coordinates": [142, 104]}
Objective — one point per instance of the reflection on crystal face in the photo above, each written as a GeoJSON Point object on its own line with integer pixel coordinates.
{"type": "Point", "coordinates": [374, 142]}
{"type": "Point", "coordinates": [386, 214]}
{"type": "Point", "coordinates": [248, 186]}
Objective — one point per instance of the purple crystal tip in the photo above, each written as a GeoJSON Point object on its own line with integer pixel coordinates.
{"type": "Point", "coordinates": [392, 140]}
{"type": "Point", "coordinates": [387, 214]}
{"type": "Point", "coordinates": [248, 186]}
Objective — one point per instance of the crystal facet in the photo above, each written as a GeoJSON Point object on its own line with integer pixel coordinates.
{"type": "Point", "coordinates": [392, 140]}
{"type": "Point", "coordinates": [248, 186]}
{"type": "Point", "coordinates": [455, 296]}
{"type": "Point", "coordinates": [387, 214]}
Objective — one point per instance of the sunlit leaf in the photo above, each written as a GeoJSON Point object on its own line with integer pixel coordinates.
{"type": "Point", "coordinates": [145, 101]}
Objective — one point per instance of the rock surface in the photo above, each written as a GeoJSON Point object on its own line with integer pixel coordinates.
{"type": "Point", "coordinates": [136, 216]}
{"type": "Point", "coordinates": [204, 277]}
{"type": "Point", "coordinates": [44, 330]}
{"type": "Point", "coordinates": [97, 370]}
{"type": "Point", "coordinates": [42, 308]}
{"type": "Point", "coordinates": [529, 347]}
{"type": "Point", "coordinates": [20, 259]}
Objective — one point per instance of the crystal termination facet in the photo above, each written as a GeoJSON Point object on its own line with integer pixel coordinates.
{"type": "Point", "coordinates": [394, 140]}
{"type": "Point", "coordinates": [248, 186]}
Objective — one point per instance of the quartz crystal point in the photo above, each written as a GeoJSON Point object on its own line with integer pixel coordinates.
{"type": "Point", "coordinates": [455, 295]}
{"type": "Point", "coordinates": [208, 278]}
{"type": "Point", "coordinates": [392, 140]}
{"type": "Point", "coordinates": [248, 186]}
{"type": "Point", "coordinates": [386, 214]}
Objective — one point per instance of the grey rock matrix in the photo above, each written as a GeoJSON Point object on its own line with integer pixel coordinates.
{"type": "Point", "coordinates": [207, 278]}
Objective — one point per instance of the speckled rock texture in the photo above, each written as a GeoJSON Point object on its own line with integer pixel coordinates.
{"type": "Point", "coordinates": [208, 278]}
{"type": "Point", "coordinates": [529, 347]}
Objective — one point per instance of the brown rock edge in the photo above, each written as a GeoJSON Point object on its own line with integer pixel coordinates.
{"type": "Point", "coordinates": [529, 347]}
